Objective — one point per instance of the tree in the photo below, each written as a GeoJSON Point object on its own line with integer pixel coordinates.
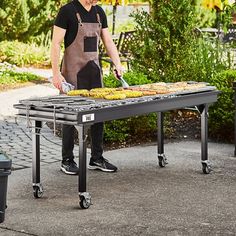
{"type": "Point", "coordinates": [164, 39]}
{"type": "Point", "coordinates": [24, 19]}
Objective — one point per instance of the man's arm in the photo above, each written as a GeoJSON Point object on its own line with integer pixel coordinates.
{"type": "Point", "coordinates": [111, 50]}
{"type": "Point", "coordinates": [57, 39]}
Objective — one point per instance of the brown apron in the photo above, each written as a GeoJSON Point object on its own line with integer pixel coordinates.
{"type": "Point", "coordinates": [80, 65]}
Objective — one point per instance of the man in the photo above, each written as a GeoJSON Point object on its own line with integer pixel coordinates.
{"type": "Point", "coordinates": [80, 24]}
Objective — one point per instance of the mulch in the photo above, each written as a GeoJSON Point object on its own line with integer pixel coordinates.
{"type": "Point", "coordinates": [179, 125]}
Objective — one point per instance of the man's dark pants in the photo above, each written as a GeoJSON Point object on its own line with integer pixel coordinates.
{"type": "Point", "coordinates": [89, 77]}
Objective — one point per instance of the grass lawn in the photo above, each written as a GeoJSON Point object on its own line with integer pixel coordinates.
{"type": "Point", "coordinates": [10, 79]}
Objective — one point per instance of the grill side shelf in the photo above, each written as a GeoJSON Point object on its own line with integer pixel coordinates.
{"type": "Point", "coordinates": [37, 112]}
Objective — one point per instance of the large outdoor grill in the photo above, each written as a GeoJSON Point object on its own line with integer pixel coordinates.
{"type": "Point", "coordinates": [82, 112]}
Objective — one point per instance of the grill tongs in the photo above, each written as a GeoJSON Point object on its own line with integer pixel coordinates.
{"type": "Point", "coordinates": [123, 82]}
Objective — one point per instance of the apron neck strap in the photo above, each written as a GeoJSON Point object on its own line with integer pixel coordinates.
{"type": "Point", "coordinates": [79, 18]}
{"type": "Point", "coordinates": [98, 17]}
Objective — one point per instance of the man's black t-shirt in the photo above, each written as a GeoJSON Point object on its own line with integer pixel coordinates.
{"type": "Point", "coordinates": [67, 19]}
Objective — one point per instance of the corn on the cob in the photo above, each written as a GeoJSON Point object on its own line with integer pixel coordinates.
{"type": "Point", "coordinates": [98, 95]}
{"type": "Point", "coordinates": [98, 90]}
{"type": "Point", "coordinates": [82, 92]}
{"type": "Point", "coordinates": [132, 94]}
{"type": "Point", "coordinates": [116, 96]}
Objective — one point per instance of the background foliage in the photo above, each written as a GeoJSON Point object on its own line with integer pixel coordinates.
{"type": "Point", "coordinates": [26, 19]}
{"type": "Point", "coordinates": [10, 78]}
{"type": "Point", "coordinates": [22, 54]}
{"type": "Point", "coordinates": [164, 40]}
{"type": "Point", "coordinates": [221, 119]}
{"type": "Point", "coordinates": [171, 47]}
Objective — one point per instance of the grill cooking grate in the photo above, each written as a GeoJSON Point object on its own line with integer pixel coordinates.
{"type": "Point", "coordinates": [64, 103]}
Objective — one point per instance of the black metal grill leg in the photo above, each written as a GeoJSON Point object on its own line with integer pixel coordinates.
{"type": "Point", "coordinates": [85, 198]}
{"type": "Point", "coordinates": [206, 167]}
{"type": "Point", "coordinates": [204, 133]}
{"type": "Point", "coordinates": [82, 159]}
{"type": "Point", "coordinates": [160, 140]}
{"type": "Point", "coordinates": [160, 133]}
{"type": "Point", "coordinates": [37, 186]}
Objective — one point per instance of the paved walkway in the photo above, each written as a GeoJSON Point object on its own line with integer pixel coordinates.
{"type": "Point", "coordinates": [140, 199]}
{"type": "Point", "coordinates": [15, 141]}
{"type": "Point", "coordinates": [15, 137]}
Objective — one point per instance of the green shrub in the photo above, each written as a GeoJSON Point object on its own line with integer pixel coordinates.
{"type": "Point", "coordinates": [22, 54]}
{"type": "Point", "coordinates": [116, 131]}
{"type": "Point", "coordinates": [138, 127]}
{"type": "Point", "coordinates": [131, 77]}
{"type": "Point", "coordinates": [207, 59]}
{"type": "Point", "coordinates": [167, 47]}
{"type": "Point", "coordinates": [221, 119]}
{"type": "Point", "coordinates": [163, 40]}
{"type": "Point", "coordinates": [21, 20]}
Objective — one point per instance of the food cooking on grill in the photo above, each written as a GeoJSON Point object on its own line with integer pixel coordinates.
{"type": "Point", "coordinates": [100, 90]}
{"type": "Point", "coordinates": [159, 88]}
{"type": "Point", "coordinates": [132, 94]}
{"type": "Point", "coordinates": [115, 96]}
{"type": "Point", "coordinates": [145, 92]}
{"type": "Point", "coordinates": [158, 85]}
{"type": "Point", "coordinates": [78, 92]}
{"type": "Point", "coordinates": [144, 86]}
{"type": "Point", "coordinates": [153, 85]}
{"type": "Point", "coordinates": [98, 94]}
{"type": "Point", "coordinates": [173, 88]}
{"type": "Point", "coordinates": [129, 93]}
{"type": "Point", "coordinates": [137, 91]}
{"type": "Point", "coordinates": [149, 93]}
{"type": "Point", "coordinates": [181, 84]}
{"type": "Point", "coordinates": [164, 88]}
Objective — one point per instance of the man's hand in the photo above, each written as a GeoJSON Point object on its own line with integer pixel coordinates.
{"type": "Point", "coordinates": [57, 80]}
{"type": "Point", "coordinates": [118, 71]}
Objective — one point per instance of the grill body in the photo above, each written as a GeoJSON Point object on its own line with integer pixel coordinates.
{"type": "Point", "coordinates": [83, 112]}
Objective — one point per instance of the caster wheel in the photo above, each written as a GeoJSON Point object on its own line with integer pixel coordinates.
{"type": "Point", "coordinates": [38, 193]}
{"type": "Point", "coordinates": [206, 168]}
{"type": "Point", "coordinates": [84, 204]}
{"type": "Point", "coordinates": [162, 161]}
